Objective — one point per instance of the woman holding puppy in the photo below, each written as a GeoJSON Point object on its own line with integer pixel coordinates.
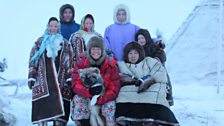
{"type": "Point", "coordinates": [142, 98]}
{"type": "Point", "coordinates": [96, 57]}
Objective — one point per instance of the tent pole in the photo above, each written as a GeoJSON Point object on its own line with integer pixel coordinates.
{"type": "Point", "coordinates": [220, 45]}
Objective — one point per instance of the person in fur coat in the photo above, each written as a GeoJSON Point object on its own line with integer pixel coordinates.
{"type": "Point", "coordinates": [143, 37]}
{"type": "Point", "coordinates": [154, 50]}
{"type": "Point", "coordinates": [79, 39]}
{"type": "Point", "coordinates": [117, 35]}
{"type": "Point", "coordinates": [49, 80]}
{"type": "Point", "coordinates": [95, 57]}
{"type": "Point", "coordinates": [142, 97]}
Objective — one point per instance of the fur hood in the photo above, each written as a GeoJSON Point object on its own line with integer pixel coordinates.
{"type": "Point", "coordinates": [62, 9]}
{"type": "Point", "coordinates": [124, 7]}
{"type": "Point", "coordinates": [135, 46]}
{"type": "Point", "coordinates": [146, 34]}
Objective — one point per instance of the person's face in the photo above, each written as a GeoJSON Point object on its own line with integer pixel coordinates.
{"type": "Point", "coordinates": [53, 27]}
{"type": "Point", "coordinates": [96, 52]}
{"type": "Point", "coordinates": [88, 24]}
{"type": "Point", "coordinates": [121, 16]}
{"type": "Point", "coordinates": [141, 40]}
{"type": "Point", "coordinates": [67, 14]}
{"type": "Point", "coordinates": [133, 56]}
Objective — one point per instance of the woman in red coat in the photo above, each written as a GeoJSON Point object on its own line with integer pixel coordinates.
{"type": "Point", "coordinates": [96, 57]}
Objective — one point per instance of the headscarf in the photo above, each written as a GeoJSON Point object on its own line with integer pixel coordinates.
{"type": "Point", "coordinates": [48, 41]}
{"type": "Point", "coordinates": [83, 23]}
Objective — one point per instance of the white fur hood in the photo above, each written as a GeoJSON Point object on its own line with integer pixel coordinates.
{"type": "Point", "coordinates": [118, 7]}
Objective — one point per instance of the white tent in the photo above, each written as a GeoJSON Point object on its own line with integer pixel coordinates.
{"type": "Point", "coordinates": [193, 51]}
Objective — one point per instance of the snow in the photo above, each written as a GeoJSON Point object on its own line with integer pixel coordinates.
{"type": "Point", "coordinates": [195, 105]}
{"type": "Point", "coordinates": [197, 41]}
{"type": "Point", "coordinates": [191, 52]}
{"type": "Point", "coordinates": [198, 105]}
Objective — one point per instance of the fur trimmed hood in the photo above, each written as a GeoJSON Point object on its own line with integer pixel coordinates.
{"type": "Point", "coordinates": [135, 46]}
{"type": "Point", "coordinates": [146, 34]}
{"type": "Point", "coordinates": [62, 9]}
{"type": "Point", "coordinates": [96, 41]}
{"type": "Point", "coordinates": [126, 9]}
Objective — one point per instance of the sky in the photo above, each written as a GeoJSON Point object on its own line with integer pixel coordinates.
{"type": "Point", "coordinates": [23, 21]}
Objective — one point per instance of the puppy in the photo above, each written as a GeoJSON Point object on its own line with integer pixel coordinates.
{"type": "Point", "coordinates": [92, 79]}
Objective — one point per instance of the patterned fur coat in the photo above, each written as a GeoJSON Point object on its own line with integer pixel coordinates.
{"type": "Point", "coordinates": [51, 85]}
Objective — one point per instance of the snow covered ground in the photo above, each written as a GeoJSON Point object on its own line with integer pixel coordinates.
{"type": "Point", "coordinates": [198, 105]}
{"type": "Point", "coordinates": [195, 105]}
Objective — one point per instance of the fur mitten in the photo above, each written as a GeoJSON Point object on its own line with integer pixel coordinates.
{"type": "Point", "coordinates": [146, 84]}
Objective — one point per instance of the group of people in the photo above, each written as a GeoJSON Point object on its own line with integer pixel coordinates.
{"type": "Point", "coordinates": [137, 87]}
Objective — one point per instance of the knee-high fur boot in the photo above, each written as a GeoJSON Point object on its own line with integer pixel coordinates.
{"type": "Point", "coordinates": [42, 123]}
{"type": "Point", "coordinates": [84, 122]}
{"type": "Point", "coordinates": [59, 123]}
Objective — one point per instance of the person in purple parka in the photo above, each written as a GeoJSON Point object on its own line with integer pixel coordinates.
{"type": "Point", "coordinates": [120, 33]}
